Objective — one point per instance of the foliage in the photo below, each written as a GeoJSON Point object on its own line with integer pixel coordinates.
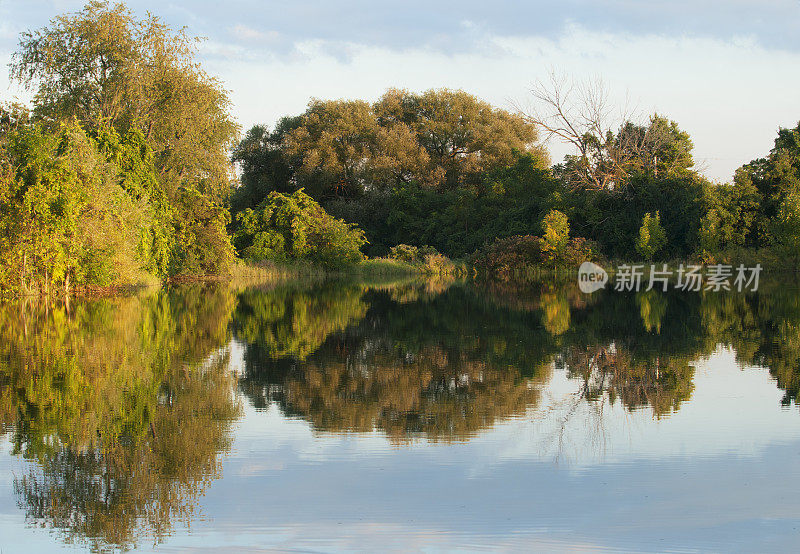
{"type": "Point", "coordinates": [730, 217]}
{"type": "Point", "coordinates": [516, 258]}
{"type": "Point", "coordinates": [67, 218]}
{"type": "Point", "coordinates": [772, 180]}
{"type": "Point", "coordinates": [613, 219]}
{"type": "Point", "coordinates": [122, 166]}
{"type": "Point", "coordinates": [264, 165]}
{"type": "Point", "coordinates": [786, 230]}
{"type": "Point", "coordinates": [104, 66]}
{"type": "Point", "coordinates": [295, 227]}
{"type": "Point", "coordinates": [462, 137]}
{"type": "Point", "coordinates": [652, 237]}
{"type": "Point", "coordinates": [556, 234]}
{"type": "Point", "coordinates": [202, 243]}
{"type": "Point", "coordinates": [411, 254]}
{"type": "Point", "coordinates": [343, 149]}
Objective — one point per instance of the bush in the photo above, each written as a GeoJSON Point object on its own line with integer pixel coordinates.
{"type": "Point", "coordinates": [404, 253]}
{"type": "Point", "coordinates": [411, 254]}
{"type": "Point", "coordinates": [510, 258]}
{"type": "Point", "coordinates": [502, 258]}
{"type": "Point", "coordinates": [295, 227]}
{"type": "Point", "coordinates": [439, 264]}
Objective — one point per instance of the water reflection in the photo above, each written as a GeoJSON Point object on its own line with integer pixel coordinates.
{"type": "Point", "coordinates": [108, 398]}
{"type": "Point", "coordinates": [414, 364]}
{"type": "Point", "coordinates": [125, 407]}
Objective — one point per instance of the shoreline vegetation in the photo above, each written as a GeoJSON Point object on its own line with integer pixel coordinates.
{"type": "Point", "coordinates": [129, 170]}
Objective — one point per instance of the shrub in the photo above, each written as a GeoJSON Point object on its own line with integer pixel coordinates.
{"type": "Point", "coordinates": [501, 258]}
{"type": "Point", "coordinates": [295, 227]}
{"type": "Point", "coordinates": [411, 254]}
{"type": "Point", "coordinates": [579, 250]}
{"type": "Point", "coordinates": [652, 237]}
{"type": "Point", "coordinates": [439, 264]}
{"type": "Point", "coordinates": [404, 253]}
{"type": "Point", "coordinates": [513, 257]}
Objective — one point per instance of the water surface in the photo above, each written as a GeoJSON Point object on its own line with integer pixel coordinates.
{"type": "Point", "coordinates": [411, 416]}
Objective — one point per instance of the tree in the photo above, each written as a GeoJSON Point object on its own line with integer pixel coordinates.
{"type": "Point", "coordinates": [556, 233]}
{"type": "Point", "coordinates": [786, 226]}
{"type": "Point", "coordinates": [73, 212]}
{"type": "Point", "coordinates": [343, 151]}
{"type": "Point", "coordinates": [158, 123]}
{"type": "Point", "coordinates": [731, 212]}
{"type": "Point", "coordinates": [775, 178]}
{"type": "Point", "coordinates": [652, 237]}
{"type": "Point", "coordinates": [462, 136]}
{"type": "Point", "coordinates": [264, 164]}
{"type": "Point", "coordinates": [104, 66]}
{"type": "Point", "coordinates": [609, 150]}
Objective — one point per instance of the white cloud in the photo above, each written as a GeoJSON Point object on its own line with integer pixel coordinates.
{"type": "Point", "coordinates": [248, 33]}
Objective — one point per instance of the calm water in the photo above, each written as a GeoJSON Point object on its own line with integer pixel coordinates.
{"type": "Point", "coordinates": [407, 416]}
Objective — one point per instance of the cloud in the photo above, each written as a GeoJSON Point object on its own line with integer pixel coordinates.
{"type": "Point", "coordinates": [254, 35]}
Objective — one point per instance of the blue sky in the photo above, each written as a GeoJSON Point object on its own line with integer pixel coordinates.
{"type": "Point", "coordinates": [728, 72]}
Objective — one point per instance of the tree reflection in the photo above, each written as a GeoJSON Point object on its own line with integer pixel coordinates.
{"type": "Point", "coordinates": [414, 364]}
{"type": "Point", "coordinates": [410, 362]}
{"type": "Point", "coordinates": [125, 406]}
{"type": "Point", "coordinates": [763, 329]}
{"type": "Point", "coordinates": [660, 383]}
{"type": "Point", "coordinates": [292, 321]}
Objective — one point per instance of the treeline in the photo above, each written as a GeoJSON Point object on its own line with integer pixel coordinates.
{"type": "Point", "coordinates": [445, 170]}
{"type": "Point", "coordinates": [123, 171]}
{"type": "Point", "coordinates": [120, 170]}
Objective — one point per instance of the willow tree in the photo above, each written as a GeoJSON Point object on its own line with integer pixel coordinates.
{"type": "Point", "coordinates": [341, 150]}
{"type": "Point", "coordinates": [462, 136]}
{"type": "Point", "coordinates": [103, 65]}
{"type": "Point", "coordinates": [108, 70]}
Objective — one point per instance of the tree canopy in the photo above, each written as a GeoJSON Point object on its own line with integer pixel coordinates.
{"type": "Point", "coordinates": [121, 168]}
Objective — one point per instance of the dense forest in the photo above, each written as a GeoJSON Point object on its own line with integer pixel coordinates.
{"type": "Point", "coordinates": [129, 168]}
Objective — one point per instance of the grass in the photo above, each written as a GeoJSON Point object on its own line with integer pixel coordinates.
{"type": "Point", "coordinates": [385, 266]}
{"type": "Point", "coordinates": [272, 271]}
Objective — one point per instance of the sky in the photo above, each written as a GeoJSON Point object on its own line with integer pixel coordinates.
{"type": "Point", "coordinates": [727, 71]}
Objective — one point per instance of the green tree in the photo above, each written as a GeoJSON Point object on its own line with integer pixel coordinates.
{"type": "Point", "coordinates": [264, 164]}
{"type": "Point", "coordinates": [652, 237]}
{"type": "Point", "coordinates": [342, 151]}
{"type": "Point", "coordinates": [463, 137]}
{"type": "Point", "coordinates": [134, 86]}
{"type": "Point", "coordinates": [731, 214]}
{"type": "Point", "coordinates": [786, 226]}
{"type": "Point", "coordinates": [66, 217]}
{"type": "Point", "coordinates": [295, 227]}
{"type": "Point", "coordinates": [556, 233]}
{"type": "Point", "coordinates": [774, 178]}
{"type": "Point", "coordinates": [104, 66]}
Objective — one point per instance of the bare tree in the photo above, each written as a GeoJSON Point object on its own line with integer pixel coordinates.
{"type": "Point", "coordinates": [609, 145]}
